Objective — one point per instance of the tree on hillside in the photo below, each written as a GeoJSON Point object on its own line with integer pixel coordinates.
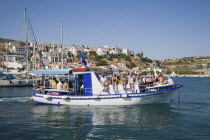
{"type": "Point", "coordinates": [199, 66]}
{"type": "Point", "coordinates": [101, 63]}
{"type": "Point", "coordinates": [140, 54]}
{"type": "Point", "coordinates": [97, 58]}
{"type": "Point", "coordinates": [21, 43]}
{"type": "Point", "coordinates": [131, 65]}
{"type": "Point", "coordinates": [70, 54]}
{"type": "Point", "coordinates": [93, 53]}
{"type": "Point", "coordinates": [147, 60]}
{"type": "Point", "coordinates": [77, 56]}
{"type": "Point", "coordinates": [144, 73]}
{"type": "Point", "coordinates": [168, 71]}
{"type": "Point", "coordinates": [208, 65]}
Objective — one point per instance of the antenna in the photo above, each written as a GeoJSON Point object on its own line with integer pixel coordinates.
{"type": "Point", "coordinates": [61, 46]}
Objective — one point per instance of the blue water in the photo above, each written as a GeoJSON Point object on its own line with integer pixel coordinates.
{"type": "Point", "coordinates": [186, 117]}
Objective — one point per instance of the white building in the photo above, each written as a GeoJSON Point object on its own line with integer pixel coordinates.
{"type": "Point", "coordinates": [14, 44]}
{"type": "Point", "coordinates": [19, 49]}
{"type": "Point", "coordinates": [14, 65]}
{"type": "Point", "coordinates": [122, 65]}
{"type": "Point", "coordinates": [128, 52]}
{"type": "Point", "coordinates": [101, 51]}
{"type": "Point", "coordinates": [14, 58]}
{"type": "Point", "coordinates": [114, 52]}
{"type": "Point", "coordinates": [74, 49]}
{"type": "Point", "coordinates": [114, 48]}
{"type": "Point", "coordinates": [86, 51]}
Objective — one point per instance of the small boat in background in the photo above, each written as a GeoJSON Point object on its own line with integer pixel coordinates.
{"type": "Point", "coordinates": [11, 80]}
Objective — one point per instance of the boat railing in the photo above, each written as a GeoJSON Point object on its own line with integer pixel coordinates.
{"type": "Point", "coordinates": [54, 91]}
{"type": "Point", "coordinates": [158, 87]}
{"type": "Point", "coordinates": [73, 91]}
{"type": "Point", "coordinates": [149, 87]}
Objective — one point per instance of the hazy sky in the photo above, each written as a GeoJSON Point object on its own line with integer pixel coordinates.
{"type": "Point", "coordinates": [160, 28]}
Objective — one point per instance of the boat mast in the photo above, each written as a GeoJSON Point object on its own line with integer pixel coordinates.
{"type": "Point", "coordinates": [26, 41]}
{"type": "Point", "coordinates": [61, 46]}
{"type": "Point", "coordinates": [34, 54]}
{"type": "Point", "coordinates": [36, 45]}
{"type": "Point", "coordinates": [6, 60]}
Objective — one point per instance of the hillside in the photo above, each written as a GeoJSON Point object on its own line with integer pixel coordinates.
{"type": "Point", "coordinates": [131, 61]}
{"type": "Point", "coordinates": [3, 40]}
{"type": "Point", "coordinates": [188, 65]}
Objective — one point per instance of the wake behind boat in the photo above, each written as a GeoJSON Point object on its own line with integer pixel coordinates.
{"type": "Point", "coordinates": [84, 88]}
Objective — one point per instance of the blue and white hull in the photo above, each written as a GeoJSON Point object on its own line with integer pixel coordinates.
{"type": "Point", "coordinates": [149, 97]}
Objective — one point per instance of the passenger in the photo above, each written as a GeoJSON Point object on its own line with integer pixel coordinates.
{"type": "Point", "coordinates": [37, 84]}
{"type": "Point", "coordinates": [119, 80]}
{"type": "Point", "coordinates": [50, 81]}
{"type": "Point", "coordinates": [114, 82]}
{"type": "Point", "coordinates": [169, 81]}
{"type": "Point", "coordinates": [161, 79]}
{"type": "Point", "coordinates": [109, 86]}
{"type": "Point", "coordinates": [138, 79]}
{"type": "Point", "coordinates": [155, 80]}
{"type": "Point", "coordinates": [144, 79]}
{"type": "Point", "coordinates": [53, 83]}
{"type": "Point", "coordinates": [46, 84]}
{"type": "Point", "coordinates": [103, 81]}
{"type": "Point", "coordinates": [66, 85]}
{"type": "Point", "coordinates": [137, 83]}
{"type": "Point", "coordinates": [81, 89]}
{"type": "Point", "coordinates": [59, 85]}
{"type": "Point", "coordinates": [99, 76]}
{"type": "Point", "coordinates": [131, 81]}
{"type": "Point", "coordinates": [123, 79]}
{"type": "Point", "coordinates": [149, 81]}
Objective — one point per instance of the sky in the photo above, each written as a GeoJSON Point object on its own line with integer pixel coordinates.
{"type": "Point", "coordinates": [161, 29]}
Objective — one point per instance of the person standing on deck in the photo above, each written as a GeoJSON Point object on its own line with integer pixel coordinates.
{"type": "Point", "coordinates": [131, 81]}
{"type": "Point", "coordinates": [59, 85]}
{"type": "Point", "coordinates": [46, 84]}
{"type": "Point", "coordinates": [53, 83]}
{"type": "Point", "coordinates": [103, 81]}
{"type": "Point", "coordinates": [161, 79]}
{"type": "Point", "coordinates": [114, 82]}
{"type": "Point", "coordinates": [66, 85]}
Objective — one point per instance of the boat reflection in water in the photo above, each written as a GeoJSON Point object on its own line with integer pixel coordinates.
{"type": "Point", "coordinates": [106, 121]}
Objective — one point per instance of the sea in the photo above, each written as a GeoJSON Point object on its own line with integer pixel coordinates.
{"type": "Point", "coordinates": [187, 116]}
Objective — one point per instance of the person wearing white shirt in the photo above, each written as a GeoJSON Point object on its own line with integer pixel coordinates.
{"type": "Point", "coordinates": [103, 81]}
{"type": "Point", "coordinates": [170, 81]}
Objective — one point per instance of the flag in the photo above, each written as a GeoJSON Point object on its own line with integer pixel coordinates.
{"type": "Point", "coordinates": [82, 59]}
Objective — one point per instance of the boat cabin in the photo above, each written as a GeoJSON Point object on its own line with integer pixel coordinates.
{"type": "Point", "coordinates": [79, 82]}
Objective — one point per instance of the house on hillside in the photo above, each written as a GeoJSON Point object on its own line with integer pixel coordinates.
{"type": "Point", "coordinates": [127, 52]}
{"type": "Point", "coordinates": [74, 49]}
{"type": "Point", "coordinates": [122, 65]}
{"type": "Point", "coordinates": [101, 51]}
{"type": "Point", "coordinates": [14, 44]}
{"type": "Point", "coordinates": [19, 49]}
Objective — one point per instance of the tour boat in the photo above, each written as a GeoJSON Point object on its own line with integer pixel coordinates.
{"type": "Point", "coordinates": [92, 92]}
